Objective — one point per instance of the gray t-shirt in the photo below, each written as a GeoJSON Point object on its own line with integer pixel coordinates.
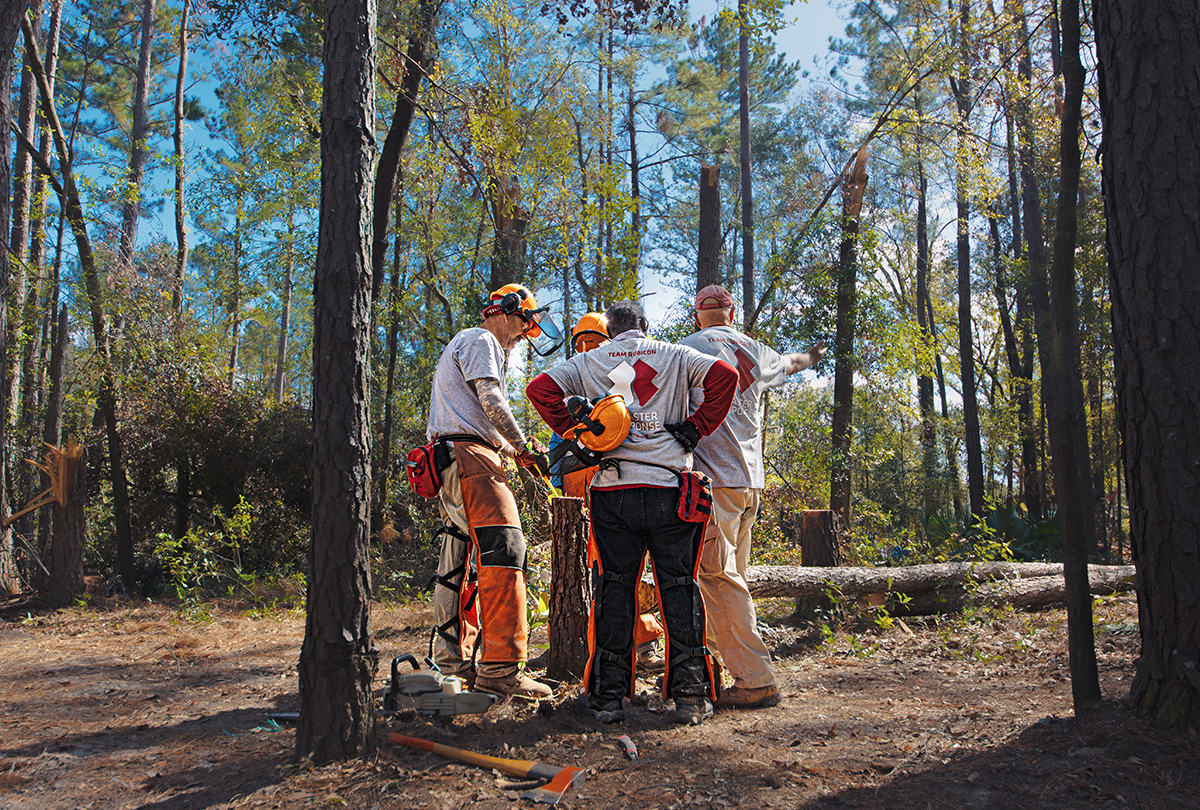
{"type": "Point", "coordinates": [472, 354]}
{"type": "Point", "coordinates": [654, 378]}
{"type": "Point", "coordinates": [732, 455]}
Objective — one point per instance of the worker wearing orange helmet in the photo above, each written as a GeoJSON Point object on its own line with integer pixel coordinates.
{"type": "Point", "coordinates": [471, 422]}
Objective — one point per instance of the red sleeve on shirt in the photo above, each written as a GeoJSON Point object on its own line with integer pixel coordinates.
{"type": "Point", "coordinates": [547, 398]}
{"type": "Point", "coordinates": [720, 384]}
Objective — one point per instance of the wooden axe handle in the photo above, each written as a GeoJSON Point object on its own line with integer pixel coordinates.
{"type": "Point", "coordinates": [512, 767]}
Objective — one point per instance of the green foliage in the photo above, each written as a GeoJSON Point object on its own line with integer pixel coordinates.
{"type": "Point", "coordinates": [206, 564]}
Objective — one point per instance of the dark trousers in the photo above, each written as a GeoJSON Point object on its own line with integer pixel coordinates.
{"type": "Point", "coordinates": [627, 523]}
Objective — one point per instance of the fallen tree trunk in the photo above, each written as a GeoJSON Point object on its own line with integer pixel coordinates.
{"type": "Point", "coordinates": [793, 581]}
{"type": "Point", "coordinates": [1026, 593]}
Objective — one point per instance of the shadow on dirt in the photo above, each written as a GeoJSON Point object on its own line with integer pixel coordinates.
{"type": "Point", "coordinates": [1108, 755]}
{"type": "Point", "coordinates": [140, 756]}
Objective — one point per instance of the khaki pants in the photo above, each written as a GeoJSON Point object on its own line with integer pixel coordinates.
{"type": "Point", "coordinates": [733, 635]}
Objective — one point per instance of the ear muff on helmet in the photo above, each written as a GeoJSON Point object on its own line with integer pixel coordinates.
{"type": "Point", "coordinates": [603, 426]}
{"type": "Point", "coordinates": [510, 304]}
{"type": "Point", "coordinates": [541, 330]}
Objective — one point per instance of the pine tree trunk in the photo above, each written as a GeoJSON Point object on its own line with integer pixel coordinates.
{"type": "Point", "coordinates": [840, 487]}
{"type": "Point", "coordinates": [138, 131]}
{"type": "Point", "coordinates": [708, 270]}
{"type": "Point", "coordinates": [1064, 387]}
{"type": "Point", "coordinates": [181, 240]}
{"type": "Point", "coordinates": [338, 659]}
{"type": "Point", "coordinates": [416, 64]}
{"type": "Point", "coordinates": [1151, 170]}
{"type": "Point", "coordinates": [966, 346]}
{"type": "Point", "coordinates": [1031, 215]}
{"type": "Point", "coordinates": [749, 298]}
{"type": "Point", "coordinates": [11, 14]}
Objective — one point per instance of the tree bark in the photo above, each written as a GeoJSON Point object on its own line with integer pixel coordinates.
{"type": "Point", "coordinates": [1029, 593]}
{"type": "Point", "coordinates": [708, 268]}
{"type": "Point", "coordinates": [338, 659]}
{"type": "Point", "coordinates": [138, 132]}
{"type": "Point", "coordinates": [416, 64]}
{"type": "Point", "coordinates": [69, 198]}
{"type": "Point", "coordinates": [749, 298]}
{"type": "Point", "coordinates": [181, 240]}
{"type": "Point", "coordinates": [285, 308]}
{"type": "Point", "coordinates": [788, 581]}
{"type": "Point", "coordinates": [843, 347]}
{"type": "Point", "coordinates": [65, 565]}
{"type": "Point", "coordinates": [569, 589]}
{"type": "Point", "coordinates": [1151, 171]}
{"type": "Point", "coordinates": [12, 15]}
{"type": "Point", "coordinates": [925, 379]}
{"type": "Point", "coordinates": [966, 346]}
{"type": "Point", "coordinates": [1064, 389]}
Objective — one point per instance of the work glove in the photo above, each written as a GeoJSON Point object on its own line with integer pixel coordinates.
{"type": "Point", "coordinates": [686, 433]}
{"type": "Point", "coordinates": [534, 457]}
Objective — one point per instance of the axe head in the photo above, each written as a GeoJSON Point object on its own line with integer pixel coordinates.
{"type": "Point", "coordinates": [553, 790]}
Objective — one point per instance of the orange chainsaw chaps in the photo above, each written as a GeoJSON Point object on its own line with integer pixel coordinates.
{"type": "Point", "coordinates": [498, 554]}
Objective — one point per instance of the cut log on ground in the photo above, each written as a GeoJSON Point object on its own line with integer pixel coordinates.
{"type": "Point", "coordinates": [798, 582]}
{"type": "Point", "coordinates": [1024, 593]}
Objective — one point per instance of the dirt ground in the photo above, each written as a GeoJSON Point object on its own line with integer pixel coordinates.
{"type": "Point", "coordinates": [124, 705]}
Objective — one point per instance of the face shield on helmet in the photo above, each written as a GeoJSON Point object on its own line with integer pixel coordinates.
{"type": "Point", "coordinates": [543, 333]}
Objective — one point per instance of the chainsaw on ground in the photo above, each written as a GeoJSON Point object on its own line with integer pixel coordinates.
{"type": "Point", "coordinates": [430, 693]}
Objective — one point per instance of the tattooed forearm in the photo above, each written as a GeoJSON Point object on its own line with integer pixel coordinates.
{"type": "Point", "coordinates": [495, 405]}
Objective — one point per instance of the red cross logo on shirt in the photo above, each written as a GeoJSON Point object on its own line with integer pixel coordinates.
{"type": "Point", "coordinates": [634, 381]}
{"type": "Point", "coordinates": [745, 370]}
{"type": "Point", "coordinates": [643, 386]}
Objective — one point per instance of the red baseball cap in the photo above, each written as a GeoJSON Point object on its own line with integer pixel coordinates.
{"type": "Point", "coordinates": [714, 296]}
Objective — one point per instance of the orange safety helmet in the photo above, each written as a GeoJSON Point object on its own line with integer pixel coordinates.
{"type": "Point", "coordinates": [541, 330]}
{"type": "Point", "coordinates": [604, 427]}
{"type": "Point", "coordinates": [591, 331]}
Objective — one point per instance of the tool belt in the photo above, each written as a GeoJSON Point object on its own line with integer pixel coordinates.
{"type": "Point", "coordinates": [695, 489]}
{"type": "Point", "coordinates": [425, 463]}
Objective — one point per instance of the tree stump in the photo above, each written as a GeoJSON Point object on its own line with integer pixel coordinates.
{"type": "Point", "coordinates": [65, 555]}
{"type": "Point", "coordinates": [569, 589]}
{"type": "Point", "coordinates": [814, 531]}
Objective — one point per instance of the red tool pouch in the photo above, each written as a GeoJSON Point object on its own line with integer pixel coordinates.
{"type": "Point", "coordinates": [695, 497]}
{"type": "Point", "coordinates": [423, 474]}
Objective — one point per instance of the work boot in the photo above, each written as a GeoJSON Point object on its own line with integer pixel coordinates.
{"type": "Point", "coordinates": [612, 711]}
{"type": "Point", "coordinates": [517, 684]}
{"type": "Point", "coordinates": [692, 711]}
{"type": "Point", "coordinates": [741, 697]}
{"type": "Point", "coordinates": [648, 659]}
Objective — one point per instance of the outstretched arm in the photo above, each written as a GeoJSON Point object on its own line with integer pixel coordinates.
{"type": "Point", "coordinates": [798, 361]}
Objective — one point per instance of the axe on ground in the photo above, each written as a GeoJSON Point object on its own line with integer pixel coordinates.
{"type": "Point", "coordinates": [560, 777]}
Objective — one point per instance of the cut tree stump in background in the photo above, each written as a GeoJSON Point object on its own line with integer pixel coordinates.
{"type": "Point", "coordinates": [814, 531]}
{"type": "Point", "coordinates": [569, 589]}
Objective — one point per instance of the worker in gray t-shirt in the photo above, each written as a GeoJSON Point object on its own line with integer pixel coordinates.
{"type": "Point", "coordinates": [635, 503]}
{"type": "Point", "coordinates": [732, 457]}
{"type": "Point", "coordinates": [471, 422]}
